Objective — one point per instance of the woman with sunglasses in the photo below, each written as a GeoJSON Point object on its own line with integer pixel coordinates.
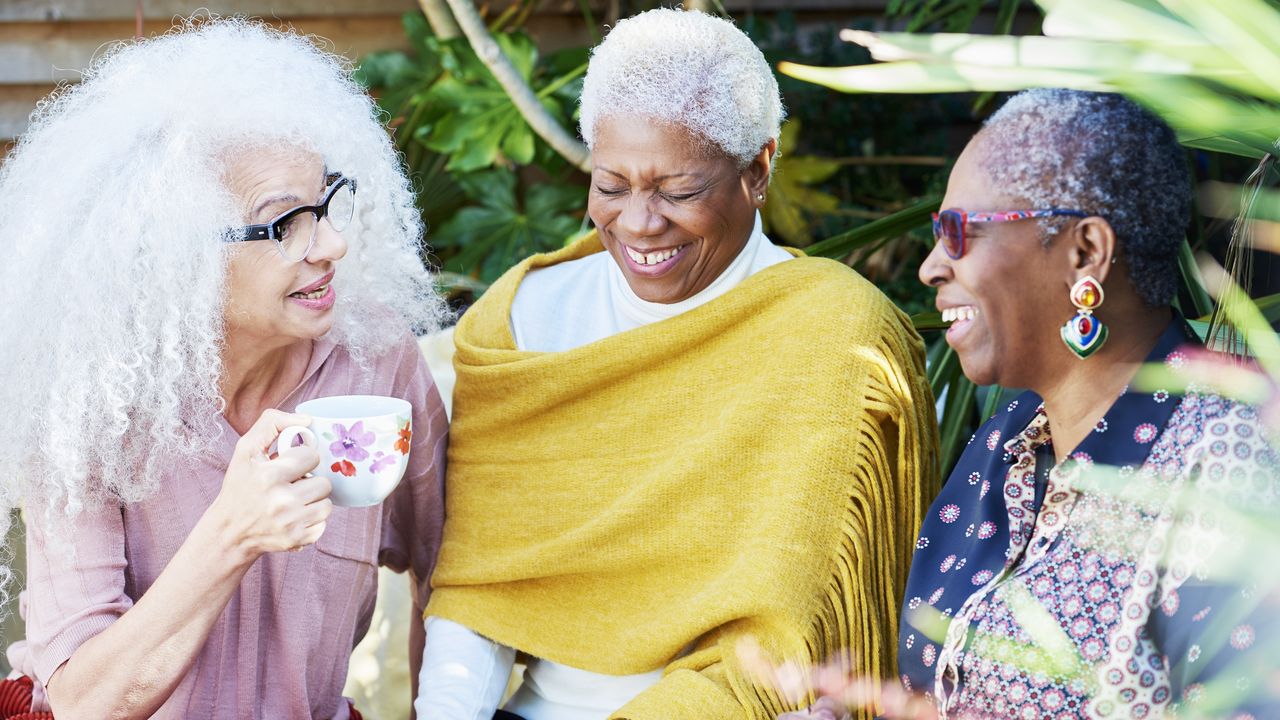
{"type": "Point", "coordinates": [1042, 584]}
{"type": "Point", "coordinates": [211, 229]}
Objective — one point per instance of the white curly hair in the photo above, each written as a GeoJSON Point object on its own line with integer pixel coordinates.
{"type": "Point", "coordinates": [686, 68]}
{"type": "Point", "coordinates": [114, 210]}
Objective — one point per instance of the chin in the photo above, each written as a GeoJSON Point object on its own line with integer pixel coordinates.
{"type": "Point", "coordinates": [979, 372]}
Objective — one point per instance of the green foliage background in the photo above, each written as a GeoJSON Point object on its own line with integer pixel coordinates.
{"type": "Point", "coordinates": [857, 174]}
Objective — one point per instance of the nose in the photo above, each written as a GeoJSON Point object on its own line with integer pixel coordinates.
{"type": "Point", "coordinates": [936, 268]}
{"type": "Point", "coordinates": [330, 245]}
{"type": "Point", "coordinates": [638, 219]}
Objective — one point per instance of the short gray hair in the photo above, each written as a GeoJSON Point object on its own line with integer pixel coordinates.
{"type": "Point", "coordinates": [1104, 154]}
{"type": "Point", "coordinates": [689, 69]}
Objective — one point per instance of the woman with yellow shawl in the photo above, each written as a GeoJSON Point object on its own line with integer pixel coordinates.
{"type": "Point", "coordinates": [673, 435]}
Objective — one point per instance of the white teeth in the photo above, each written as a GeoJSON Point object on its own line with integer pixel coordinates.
{"type": "Point", "coordinates": [653, 258]}
{"type": "Point", "coordinates": [954, 314]}
{"type": "Point", "coordinates": [314, 294]}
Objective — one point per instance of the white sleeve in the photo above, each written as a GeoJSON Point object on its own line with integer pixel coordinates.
{"type": "Point", "coordinates": [464, 675]}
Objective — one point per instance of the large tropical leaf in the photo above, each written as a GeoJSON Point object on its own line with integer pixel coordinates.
{"type": "Point", "coordinates": [1207, 68]}
{"type": "Point", "coordinates": [887, 227]}
{"type": "Point", "coordinates": [792, 200]}
{"type": "Point", "coordinates": [500, 227]}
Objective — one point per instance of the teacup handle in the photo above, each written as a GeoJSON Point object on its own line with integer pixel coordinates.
{"type": "Point", "coordinates": [292, 433]}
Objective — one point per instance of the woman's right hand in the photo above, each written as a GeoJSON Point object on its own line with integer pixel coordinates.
{"type": "Point", "coordinates": [268, 504]}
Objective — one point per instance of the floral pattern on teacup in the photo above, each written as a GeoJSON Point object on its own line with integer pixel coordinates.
{"type": "Point", "coordinates": [382, 461]}
{"type": "Point", "coordinates": [405, 435]}
{"type": "Point", "coordinates": [356, 444]}
{"type": "Point", "coordinates": [351, 442]}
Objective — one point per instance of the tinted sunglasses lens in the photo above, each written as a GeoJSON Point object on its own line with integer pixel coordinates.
{"type": "Point", "coordinates": [949, 230]}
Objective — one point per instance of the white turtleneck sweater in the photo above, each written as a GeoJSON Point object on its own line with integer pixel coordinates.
{"type": "Point", "coordinates": [558, 308]}
{"type": "Point", "coordinates": [564, 306]}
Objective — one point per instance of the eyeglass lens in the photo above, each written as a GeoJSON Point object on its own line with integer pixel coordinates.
{"type": "Point", "coordinates": [299, 232]}
{"type": "Point", "coordinates": [950, 232]}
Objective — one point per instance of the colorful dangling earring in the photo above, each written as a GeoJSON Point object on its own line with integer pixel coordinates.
{"type": "Point", "coordinates": [1084, 333]}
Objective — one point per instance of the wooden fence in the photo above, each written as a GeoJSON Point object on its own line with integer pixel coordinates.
{"type": "Point", "coordinates": [44, 42]}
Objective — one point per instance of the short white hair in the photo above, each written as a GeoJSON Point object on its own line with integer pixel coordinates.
{"type": "Point", "coordinates": [114, 207]}
{"type": "Point", "coordinates": [686, 68]}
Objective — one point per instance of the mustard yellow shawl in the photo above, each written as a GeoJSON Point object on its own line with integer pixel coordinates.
{"type": "Point", "coordinates": [756, 467]}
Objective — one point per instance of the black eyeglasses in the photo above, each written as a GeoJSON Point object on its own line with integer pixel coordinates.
{"type": "Point", "coordinates": [294, 231]}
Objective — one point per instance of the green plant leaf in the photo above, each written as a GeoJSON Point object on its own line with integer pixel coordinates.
{"type": "Point", "coordinates": [1249, 28]}
{"type": "Point", "coordinates": [1143, 21]}
{"type": "Point", "coordinates": [520, 50]}
{"type": "Point", "coordinates": [921, 77]}
{"type": "Point", "coordinates": [518, 144]}
{"type": "Point", "coordinates": [791, 202]}
{"type": "Point", "coordinates": [926, 321]}
{"type": "Point", "coordinates": [886, 227]}
{"type": "Point", "coordinates": [498, 230]}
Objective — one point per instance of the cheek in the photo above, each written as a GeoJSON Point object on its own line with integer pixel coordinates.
{"type": "Point", "coordinates": [602, 210]}
{"type": "Point", "coordinates": [255, 283]}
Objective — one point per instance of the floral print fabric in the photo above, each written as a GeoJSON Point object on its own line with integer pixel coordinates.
{"type": "Point", "coordinates": [1069, 593]}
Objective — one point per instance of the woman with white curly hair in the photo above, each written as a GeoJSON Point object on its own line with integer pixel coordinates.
{"type": "Point", "coordinates": [187, 260]}
{"type": "Point", "coordinates": [673, 435]}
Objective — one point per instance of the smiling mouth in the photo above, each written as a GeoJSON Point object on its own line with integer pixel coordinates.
{"type": "Point", "coordinates": [313, 295]}
{"type": "Point", "coordinates": [654, 258]}
{"type": "Point", "coordinates": [956, 314]}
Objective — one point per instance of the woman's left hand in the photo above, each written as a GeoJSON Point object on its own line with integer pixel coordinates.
{"type": "Point", "coordinates": [825, 709]}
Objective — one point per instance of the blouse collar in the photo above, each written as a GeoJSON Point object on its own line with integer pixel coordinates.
{"type": "Point", "coordinates": [1148, 412]}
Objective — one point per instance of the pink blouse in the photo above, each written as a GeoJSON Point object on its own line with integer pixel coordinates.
{"type": "Point", "coordinates": [280, 648]}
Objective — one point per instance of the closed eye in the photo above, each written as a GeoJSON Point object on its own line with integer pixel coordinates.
{"type": "Point", "coordinates": [679, 197]}
{"type": "Point", "coordinates": [610, 191]}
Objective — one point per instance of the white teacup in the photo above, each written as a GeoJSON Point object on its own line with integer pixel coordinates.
{"type": "Point", "coordinates": [363, 442]}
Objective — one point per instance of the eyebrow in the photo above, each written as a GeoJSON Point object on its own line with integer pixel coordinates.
{"type": "Point", "coordinates": [274, 199]}
{"type": "Point", "coordinates": [289, 197]}
{"type": "Point", "coordinates": [620, 176]}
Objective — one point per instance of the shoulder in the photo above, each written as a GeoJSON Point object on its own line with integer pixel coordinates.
{"type": "Point", "coordinates": [1008, 421]}
{"type": "Point", "coordinates": [1228, 451]}
{"type": "Point", "coordinates": [553, 285]}
{"type": "Point", "coordinates": [399, 370]}
{"type": "Point", "coordinates": [487, 322]}
{"type": "Point", "coordinates": [837, 296]}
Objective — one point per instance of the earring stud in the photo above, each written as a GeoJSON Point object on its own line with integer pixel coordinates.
{"type": "Point", "coordinates": [759, 197]}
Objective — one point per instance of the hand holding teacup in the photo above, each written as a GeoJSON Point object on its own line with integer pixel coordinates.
{"type": "Point", "coordinates": [269, 504]}
{"type": "Point", "coordinates": [363, 441]}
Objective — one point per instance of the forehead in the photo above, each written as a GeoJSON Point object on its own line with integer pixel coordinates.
{"type": "Point", "coordinates": [264, 179]}
{"type": "Point", "coordinates": [972, 188]}
{"type": "Point", "coordinates": [636, 145]}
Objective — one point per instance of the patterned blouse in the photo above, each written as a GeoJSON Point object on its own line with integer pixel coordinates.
{"type": "Point", "coordinates": [1072, 591]}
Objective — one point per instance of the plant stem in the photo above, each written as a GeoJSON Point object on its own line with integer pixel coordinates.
{"type": "Point", "coordinates": [585, 7]}
{"type": "Point", "coordinates": [516, 88]}
{"type": "Point", "coordinates": [440, 19]}
{"type": "Point", "coordinates": [561, 81]}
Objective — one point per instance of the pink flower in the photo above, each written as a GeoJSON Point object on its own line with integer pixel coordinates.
{"type": "Point", "coordinates": [351, 443]}
{"type": "Point", "coordinates": [382, 461]}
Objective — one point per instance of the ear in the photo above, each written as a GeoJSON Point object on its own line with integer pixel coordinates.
{"type": "Point", "coordinates": [1093, 249]}
{"type": "Point", "coordinates": [756, 176]}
